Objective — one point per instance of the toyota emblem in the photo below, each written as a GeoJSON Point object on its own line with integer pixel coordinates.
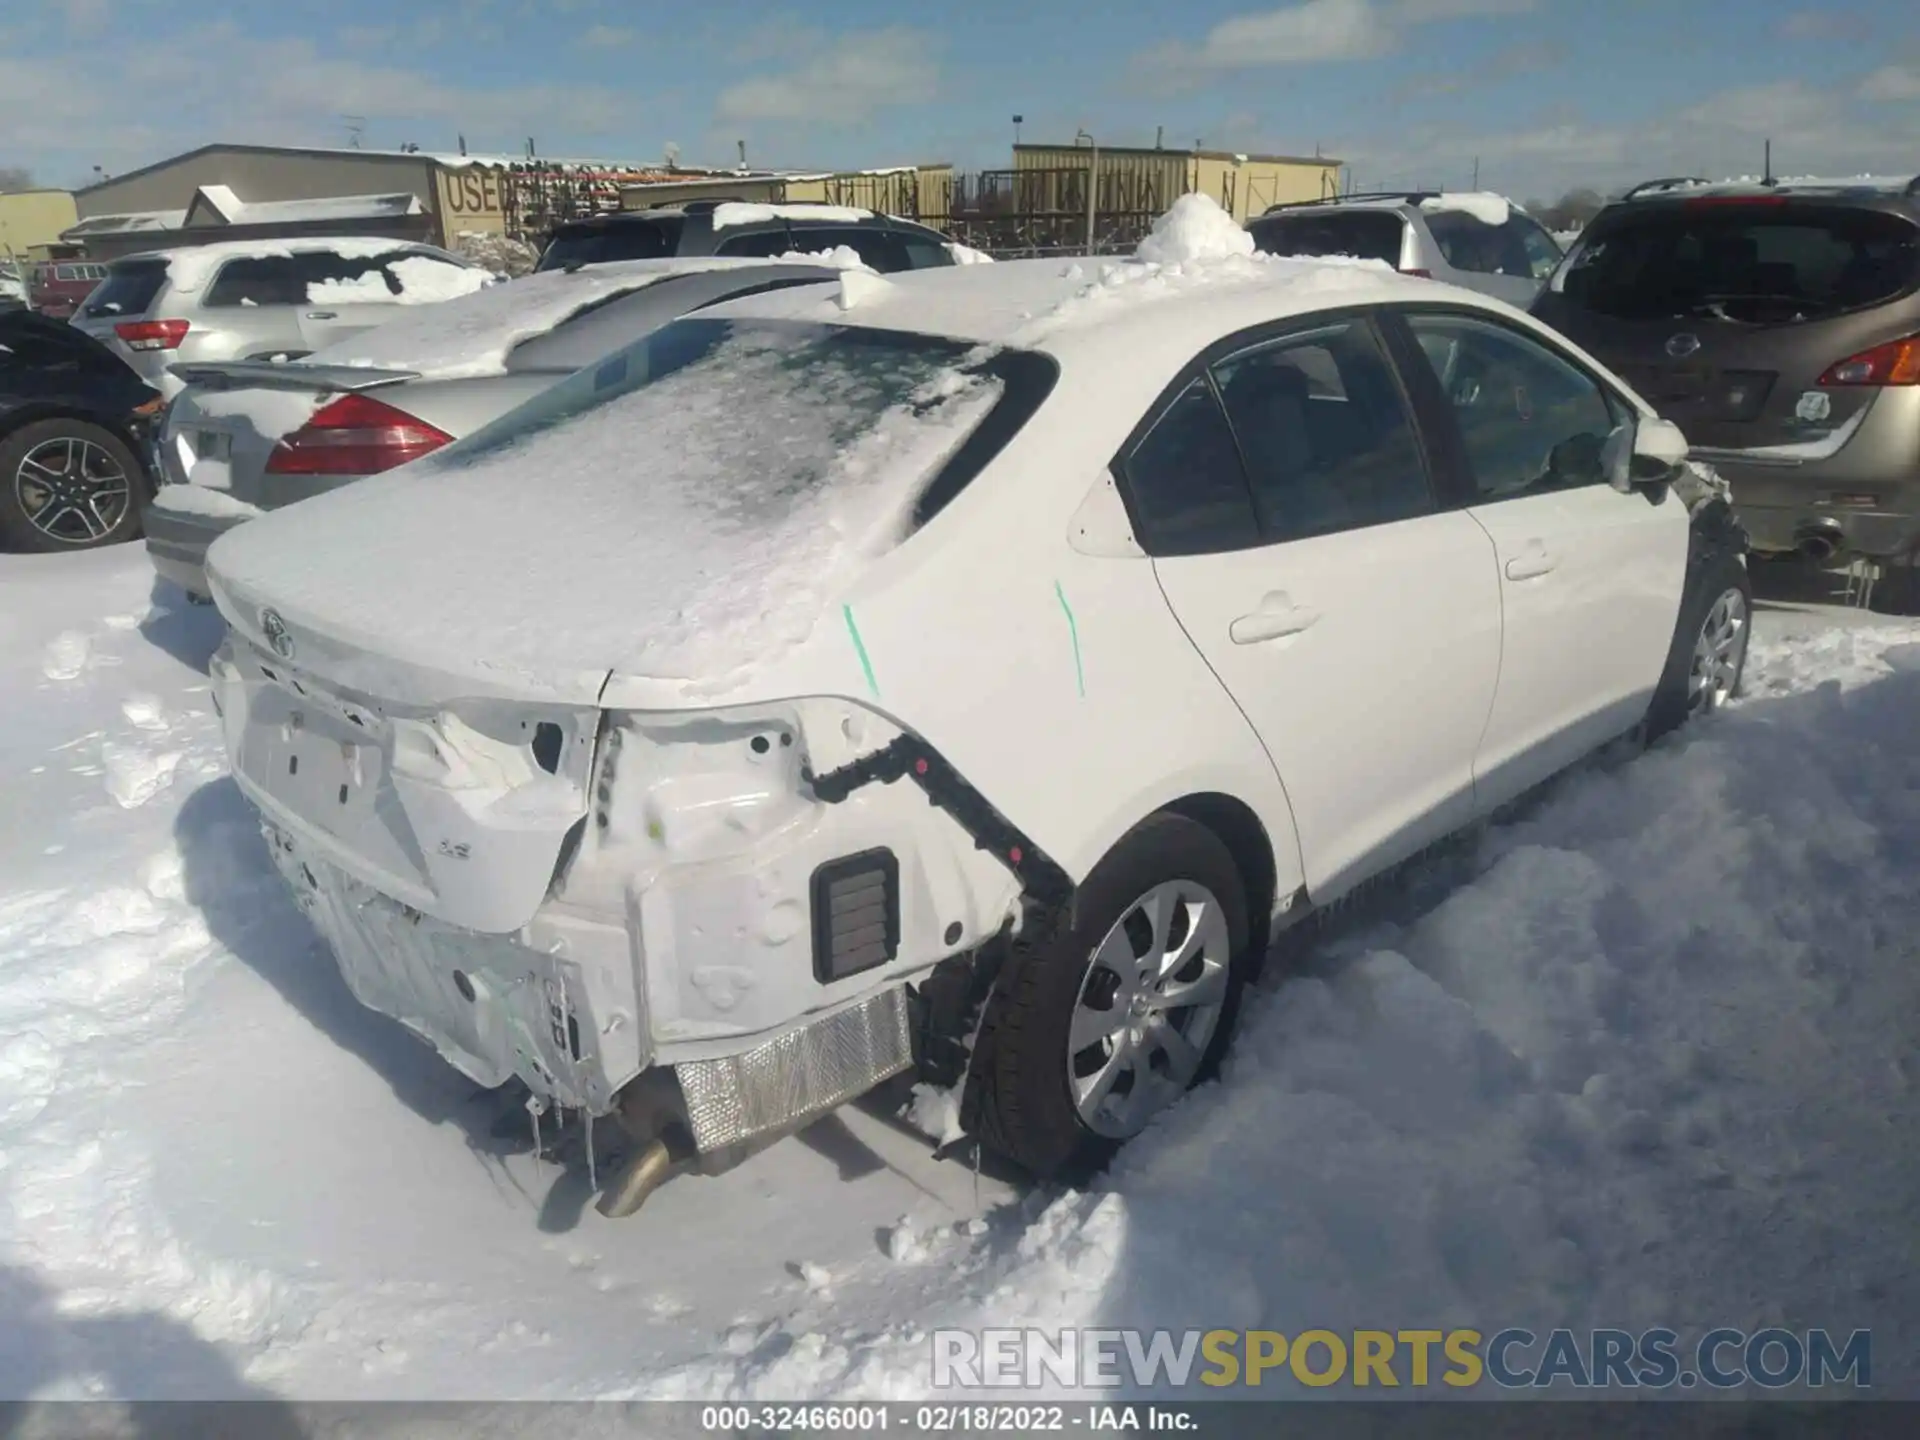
{"type": "Point", "coordinates": [1683, 345]}
{"type": "Point", "coordinates": [275, 629]}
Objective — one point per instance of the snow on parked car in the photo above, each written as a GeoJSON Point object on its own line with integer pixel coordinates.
{"type": "Point", "coordinates": [1186, 595]}
{"type": "Point", "coordinates": [262, 299]}
{"type": "Point", "coordinates": [250, 436]}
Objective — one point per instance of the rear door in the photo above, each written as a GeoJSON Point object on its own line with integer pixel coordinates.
{"type": "Point", "coordinates": [346, 295]}
{"type": "Point", "coordinates": [1509, 260]}
{"type": "Point", "coordinates": [1724, 312]}
{"type": "Point", "coordinates": [1590, 578]}
{"type": "Point", "coordinates": [1298, 539]}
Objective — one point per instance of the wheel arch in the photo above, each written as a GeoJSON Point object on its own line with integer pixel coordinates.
{"type": "Point", "coordinates": [1246, 839]}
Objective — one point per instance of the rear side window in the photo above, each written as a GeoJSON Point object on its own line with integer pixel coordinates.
{"type": "Point", "coordinates": [1760, 263]}
{"type": "Point", "coordinates": [129, 289]}
{"type": "Point", "coordinates": [257, 280]}
{"type": "Point", "coordinates": [1365, 235]}
{"type": "Point", "coordinates": [653, 237]}
{"type": "Point", "coordinates": [1328, 441]}
{"type": "Point", "coordinates": [757, 244]}
{"type": "Point", "coordinates": [1186, 483]}
{"type": "Point", "coordinates": [924, 252]}
{"type": "Point", "coordinates": [881, 250]}
{"type": "Point", "coordinates": [1517, 247]}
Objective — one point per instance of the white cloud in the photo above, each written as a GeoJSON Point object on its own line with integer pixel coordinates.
{"type": "Point", "coordinates": [267, 91]}
{"type": "Point", "coordinates": [607, 37]}
{"type": "Point", "coordinates": [1311, 33]}
{"type": "Point", "coordinates": [1893, 83]}
{"type": "Point", "coordinates": [1416, 12]}
{"type": "Point", "coordinates": [842, 82]}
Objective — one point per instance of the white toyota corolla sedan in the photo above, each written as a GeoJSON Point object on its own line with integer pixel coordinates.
{"type": "Point", "coordinates": [964, 672]}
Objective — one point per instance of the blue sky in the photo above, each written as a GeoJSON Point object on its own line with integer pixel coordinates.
{"type": "Point", "coordinates": [1546, 93]}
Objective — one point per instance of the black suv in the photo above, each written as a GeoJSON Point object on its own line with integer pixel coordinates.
{"type": "Point", "coordinates": [1779, 326]}
{"type": "Point", "coordinates": [748, 230]}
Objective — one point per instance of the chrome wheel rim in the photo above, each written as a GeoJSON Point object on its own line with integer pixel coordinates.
{"type": "Point", "coordinates": [72, 490]}
{"type": "Point", "coordinates": [1718, 653]}
{"type": "Point", "coordinates": [1148, 1008]}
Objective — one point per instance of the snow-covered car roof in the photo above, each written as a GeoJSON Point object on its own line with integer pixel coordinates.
{"type": "Point", "coordinates": [1087, 306]}
{"type": "Point", "coordinates": [474, 335]}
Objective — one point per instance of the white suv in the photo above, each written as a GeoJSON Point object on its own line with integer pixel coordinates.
{"type": "Point", "coordinates": [1472, 239]}
{"type": "Point", "coordinates": [261, 299]}
{"type": "Point", "coordinates": [963, 671]}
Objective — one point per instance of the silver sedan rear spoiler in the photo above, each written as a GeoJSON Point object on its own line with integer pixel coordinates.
{"type": "Point", "coordinates": [291, 375]}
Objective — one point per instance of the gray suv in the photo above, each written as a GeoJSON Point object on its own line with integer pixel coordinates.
{"type": "Point", "coordinates": [261, 299]}
{"type": "Point", "coordinates": [746, 231]}
{"type": "Point", "coordinates": [1779, 326]}
{"type": "Point", "coordinates": [1477, 241]}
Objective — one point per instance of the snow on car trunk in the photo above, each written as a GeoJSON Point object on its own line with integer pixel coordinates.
{"type": "Point", "coordinates": [1639, 1056]}
{"type": "Point", "coordinates": [681, 530]}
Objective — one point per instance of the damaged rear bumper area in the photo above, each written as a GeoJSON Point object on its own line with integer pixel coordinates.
{"type": "Point", "coordinates": [703, 922]}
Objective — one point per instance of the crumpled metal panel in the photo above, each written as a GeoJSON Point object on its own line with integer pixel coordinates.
{"type": "Point", "coordinates": [803, 1073]}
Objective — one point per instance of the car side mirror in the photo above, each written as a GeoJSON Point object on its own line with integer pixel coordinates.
{"type": "Point", "coordinates": [1644, 453]}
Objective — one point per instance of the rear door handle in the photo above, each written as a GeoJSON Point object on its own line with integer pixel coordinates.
{"type": "Point", "coordinates": [322, 315]}
{"type": "Point", "coordinates": [1531, 563]}
{"type": "Point", "coordinates": [1276, 618]}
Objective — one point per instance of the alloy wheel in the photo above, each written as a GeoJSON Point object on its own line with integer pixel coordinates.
{"type": "Point", "coordinates": [1719, 651]}
{"type": "Point", "coordinates": [72, 490]}
{"type": "Point", "coordinates": [1148, 1008]}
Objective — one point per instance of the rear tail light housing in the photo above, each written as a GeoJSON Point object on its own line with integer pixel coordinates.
{"type": "Point", "coordinates": [1895, 363]}
{"type": "Point", "coordinates": [355, 435]}
{"type": "Point", "coordinates": [152, 334]}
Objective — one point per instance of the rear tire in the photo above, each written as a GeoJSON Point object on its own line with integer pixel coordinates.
{"type": "Point", "coordinates": [1163, 918]}
{"type": "Point", "coordinates": [1702, 674]}
{"type": "Point", "coordinates": [68, 484]}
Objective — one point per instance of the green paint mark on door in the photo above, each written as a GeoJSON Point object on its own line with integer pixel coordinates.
{"type": "Point", "coordinates": [860, 649]}
{"type": "Point", "coordinates": [1073, 633]}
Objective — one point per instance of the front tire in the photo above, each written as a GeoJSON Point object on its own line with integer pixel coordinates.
{"type": "Point", "coordinates": [1097, 1027]}
{"type": "Point", "coordinates": [1708, 661]}
{"type": "Point", "coordinates": [67, 484]}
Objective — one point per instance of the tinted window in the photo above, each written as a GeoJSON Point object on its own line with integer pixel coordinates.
{"type": "Point", "coordinates": [925, 252]}
{"type": "Point", "coordinates": [1325, 431]}
{"type": "Point", "coordinates": [756, 244]}
{"type": "Point", "coordinates": [258, 280]}
{"type": "Point", "coordinates": [653, 237]}
{"type": "Point", "coordinates": [882, 250]}
{"type": "Point", "coordinates": [1367, 235]}
{"type": "Point", "coordinates": [1186, 483]}
{"type": "Point", "coordinates": [1530, 420]}
{"type": "Point", "coordinates": [1759, 263]}
{"type": "Point", "coordinates": [128, 289]}
{"type": "Point", "coordinates": [1518, 247]}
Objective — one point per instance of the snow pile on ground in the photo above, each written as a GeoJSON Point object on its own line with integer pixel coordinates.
{"type": "Point", "coordinates": [1194, 229]}
{"type": "Point", "coordinates": [423, 281]}
{"type": "Point", "coordinates": [1482, 205]}
{"type": "Point", "coordinates": [1638, 1055]}
{"type": "Point", "coordinates": [498, 254]}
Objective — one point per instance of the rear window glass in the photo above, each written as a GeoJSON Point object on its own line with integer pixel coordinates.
{"type": "Point", "coordinates": [1753, 263]}
{"type": "Point", "coordinates": [129, 289]}
{"type": "Point", "coordinates": [1366, 236]}
{"type": "Point", "coordinates": [827, 404]}
{"type": "Point", "coordinates": [656, 237]}
{"type": "Point", "coordinates": [1518, 247]}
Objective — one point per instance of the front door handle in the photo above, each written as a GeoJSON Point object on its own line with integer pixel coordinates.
{"type": "Point", "coordinates": [1276, 618]}
{"type": "Point", "coordinates": [322, 315]}
{"type": "Point", "coordinates": [1533, 562]}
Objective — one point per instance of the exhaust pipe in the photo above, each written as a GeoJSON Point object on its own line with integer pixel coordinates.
{"type": "Point", "coordinates": [1819, 541]}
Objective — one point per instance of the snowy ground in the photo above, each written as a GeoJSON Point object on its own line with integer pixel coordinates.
{"type": "Point", "coordinates": [1639, 1056]}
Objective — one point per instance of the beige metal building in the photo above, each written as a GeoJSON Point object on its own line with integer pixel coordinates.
{"type": "Point", "coordinates": [1133, 179]}
{"type": "Point", "coordinates": [31, 222]}
{"type": "Point", "coordinates": [258, 191]}
{"type": "Point", "coordinates": [910, 191]}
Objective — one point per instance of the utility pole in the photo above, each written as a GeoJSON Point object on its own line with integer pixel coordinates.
{"type": "Point", "coordinates": [1476, 172]}
{"type": "Point", "coordinates": [1018, 121]}
{"type": "Point", "coordinates": [1093, 184]}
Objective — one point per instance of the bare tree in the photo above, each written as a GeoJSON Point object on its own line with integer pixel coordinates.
{"type": "Point", "coordinates": [15, 177]}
